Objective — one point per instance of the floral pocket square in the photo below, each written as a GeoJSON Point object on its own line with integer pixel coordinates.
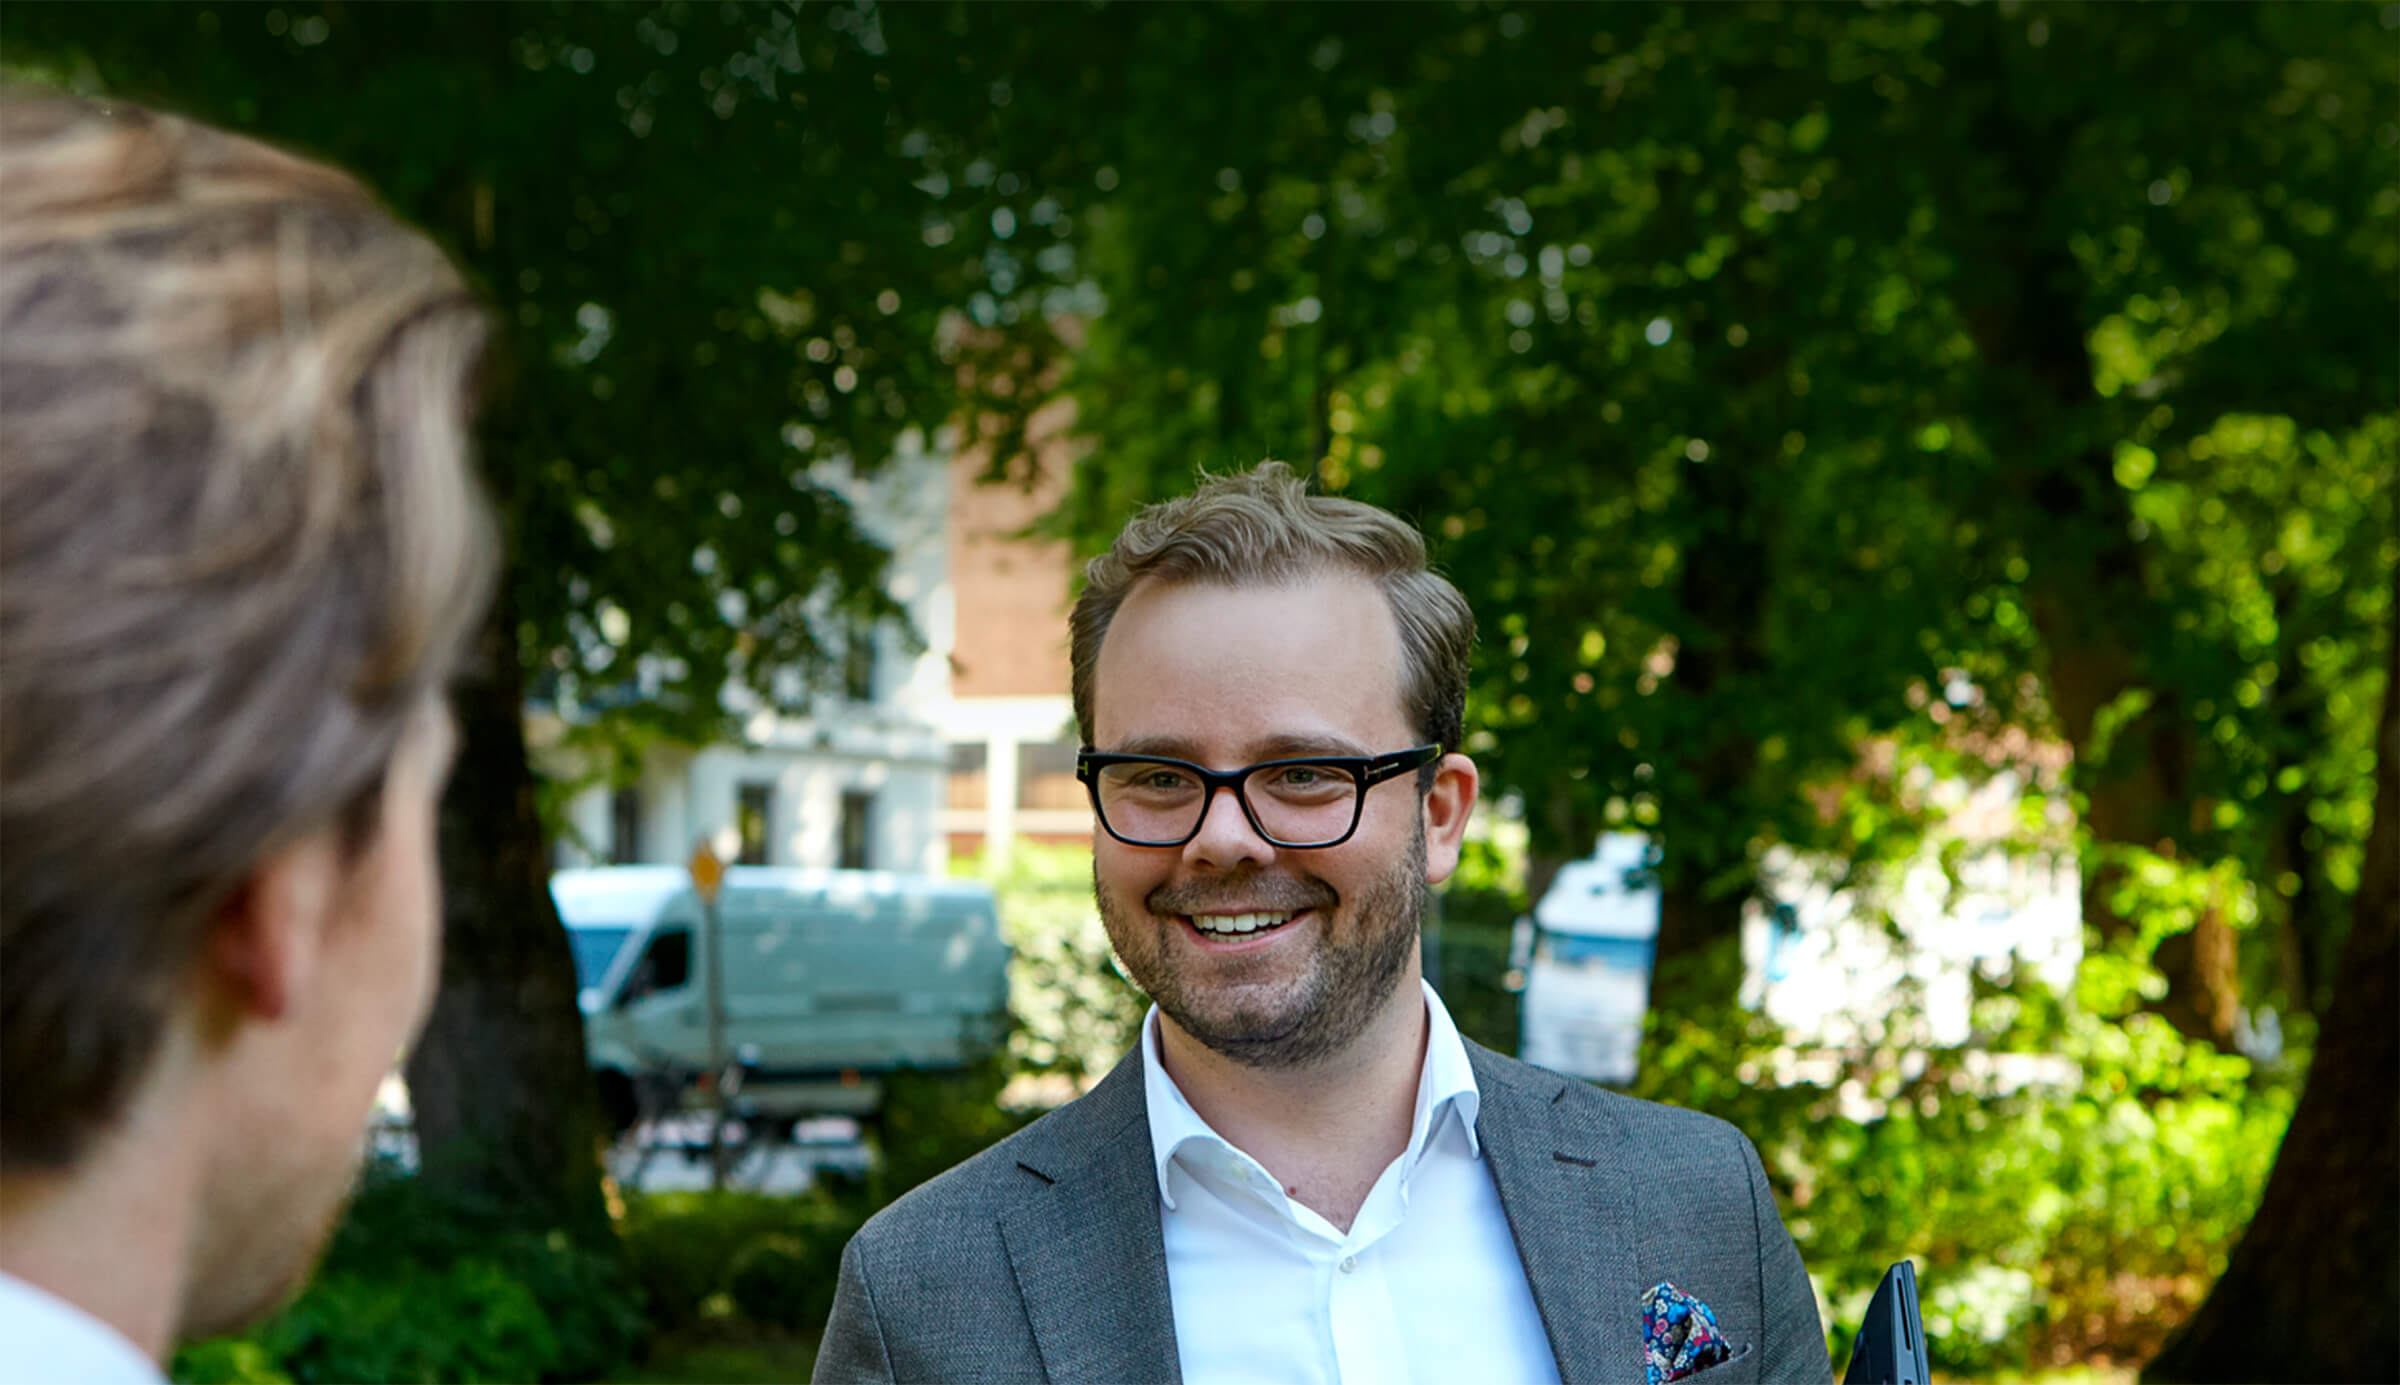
{"type": "Point", "coordinates": [1680, 1336]}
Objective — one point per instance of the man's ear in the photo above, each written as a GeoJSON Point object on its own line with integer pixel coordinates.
{"type": "Point", "coordinates": [265, 943]}
{"type": "Point", "coordinates": [1455, 784]}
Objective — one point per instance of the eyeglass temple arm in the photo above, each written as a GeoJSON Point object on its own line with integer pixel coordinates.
{"type": "Point", "coordinates": [1383, 767]}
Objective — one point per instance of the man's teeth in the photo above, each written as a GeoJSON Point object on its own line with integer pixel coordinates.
{"type": "Point", "coordinates": [1237, 923]}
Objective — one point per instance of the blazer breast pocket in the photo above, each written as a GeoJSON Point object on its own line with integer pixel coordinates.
{"type": "Point", "coordinates": [1729, 1369]}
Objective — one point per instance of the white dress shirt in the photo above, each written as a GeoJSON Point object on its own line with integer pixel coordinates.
{"type": "Point", "coordinates": [45, 1338]}
{"type": "Point", "coordinates": [1426, 1285]}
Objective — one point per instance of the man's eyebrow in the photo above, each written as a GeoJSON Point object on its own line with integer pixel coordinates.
{"type": "Point", "coordinates": [1292, 747]}
{"type": "Point", "coordinates": [1164, 747]}
{"type": "Point", "coordinates": [1287, 747]}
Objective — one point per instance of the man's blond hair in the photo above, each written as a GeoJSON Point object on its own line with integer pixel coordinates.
{"type": "Point", "coordinates": [1262, 527]}
{"type": "Point", "coordinates": [239, 545]}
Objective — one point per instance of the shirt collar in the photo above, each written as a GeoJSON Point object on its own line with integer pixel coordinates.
{"type": "Point", "coordinates": [63, 1341]}
{"type": "Point", "coordinates": [1446, 1083]}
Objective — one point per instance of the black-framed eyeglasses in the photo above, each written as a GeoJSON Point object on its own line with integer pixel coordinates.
{"type": "Point", "coordinates": [1316, 801]}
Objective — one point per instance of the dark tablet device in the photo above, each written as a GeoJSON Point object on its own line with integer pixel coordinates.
{"type": "Point", "coordinates": [1891, 1342]}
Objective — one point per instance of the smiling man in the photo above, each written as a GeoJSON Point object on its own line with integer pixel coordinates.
{"type": "Point", "coordinates": [1303, 1173]}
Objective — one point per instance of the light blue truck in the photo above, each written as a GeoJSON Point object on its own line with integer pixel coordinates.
{"type": "Point", "coordinates": [830, 977]}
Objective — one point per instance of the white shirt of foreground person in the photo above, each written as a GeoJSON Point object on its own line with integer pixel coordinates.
{"type": "Point", "coordinates": [1425, 1287]}
{"type": "Point", "coordinates": [53, 1341]}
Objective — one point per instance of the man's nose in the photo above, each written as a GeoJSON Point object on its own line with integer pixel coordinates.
{"type": "Point", "coordinates": [1226, 838]}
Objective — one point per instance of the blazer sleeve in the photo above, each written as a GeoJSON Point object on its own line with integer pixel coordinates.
{"type": "Point", "coordinates": [1793, 1347]}
{"type": "Point", "coordinates": [853, 1349]}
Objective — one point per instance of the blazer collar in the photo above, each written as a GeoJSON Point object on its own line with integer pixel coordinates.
{"type": "Point", "coordinates": [1561, 1170]}
{"type": "Point", "coordinates": [1091, 1262]}
{"type": "Point", "coordinates": [1085, 1243]}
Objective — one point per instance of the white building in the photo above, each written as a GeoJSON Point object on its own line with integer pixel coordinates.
{"type": "Point", "coordinates": [967, 742]}
{"type": "Point", "coordinates": [850, 776]}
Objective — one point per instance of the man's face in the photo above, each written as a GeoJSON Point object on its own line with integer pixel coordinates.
{"type": "Point", "coordinates": [1226, 677]}
{"type": "Point", "coordinates": [306, 1103]}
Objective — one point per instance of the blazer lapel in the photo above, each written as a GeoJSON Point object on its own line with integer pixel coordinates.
{"type": "Point", "coordinates": [1570, 1204]}
{"type": "Point", "coordinates": [1085, 1243]}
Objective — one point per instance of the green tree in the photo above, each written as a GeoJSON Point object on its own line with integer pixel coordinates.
{"type": "Point", "coordinates": [1758, 372]}
{"type": "Point", "coordinates": [1777, 380]}
{"type": "Point", "coordinates": [1771, 380]}
{"type": "Point", "coordinates": [723, 255]}
{"type": "Point", "coordinates": [2322, 1243]}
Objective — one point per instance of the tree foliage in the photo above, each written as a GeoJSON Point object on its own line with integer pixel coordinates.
{"type": "Point", "coordinates": [1772, 380]}
{"type": "Point", "coordinates": [1776, 382]}
{"type": "Point", "coordinates": [723, 276]}
{"type": "Point", "coordinates": [1779, 382]}
{"type": "Point", "coordinates": [712, 264]}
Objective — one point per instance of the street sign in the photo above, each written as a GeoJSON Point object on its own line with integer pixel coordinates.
{"type": "Point", "coordinates": [707, 872]}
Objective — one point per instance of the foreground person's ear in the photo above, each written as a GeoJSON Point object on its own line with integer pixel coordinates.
{"type": "Point", "coordinates": [265, 944]}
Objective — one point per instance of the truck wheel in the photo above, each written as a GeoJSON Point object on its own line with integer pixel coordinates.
{"type": "Point", "coordinates": [618, 1107]}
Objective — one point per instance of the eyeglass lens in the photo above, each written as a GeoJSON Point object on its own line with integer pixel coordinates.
{"type": "Point", "coordinates": [1294, 804]}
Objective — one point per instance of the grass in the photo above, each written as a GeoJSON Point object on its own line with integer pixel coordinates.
{"type": "Point", "coordinates": [2074, 1374]}
{"type": "Point", "coordinates": [722, 1353]}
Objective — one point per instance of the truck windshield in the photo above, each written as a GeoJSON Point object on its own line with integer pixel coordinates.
{"type": "Point", "coordinates": [595, 948]}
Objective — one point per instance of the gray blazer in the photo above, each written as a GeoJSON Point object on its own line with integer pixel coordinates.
{"type": "Point", "coordinates": [1041, 1258]}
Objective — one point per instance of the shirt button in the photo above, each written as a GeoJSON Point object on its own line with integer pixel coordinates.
{"type": "Point", "coordinates": [1349, 1263]}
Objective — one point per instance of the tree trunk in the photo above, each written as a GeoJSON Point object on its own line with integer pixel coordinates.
{"type": "Point", "coordinates": [2090, 599]}
{"type": "Point", "coordinates": [2297, 949]}
{"type": "Point", "coordinates": [1704, 867]}
{"type": "Point", "coordinates": [2309, 1291]}
{"type": "Point", "coordinates": [1697, 970]}
{"type": "Point", "coordinates": [505, 1112]}
{"type": "Point", "coordinates": [2024, 307]}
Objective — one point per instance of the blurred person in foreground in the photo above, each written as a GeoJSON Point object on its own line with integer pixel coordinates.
{"type": "Point", "coordinates": [1303, 1172]}
{"type": "Point", "coordinates": [240, 557]}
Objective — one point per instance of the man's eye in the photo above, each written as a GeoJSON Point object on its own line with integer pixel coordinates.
{"type": "Point", "coordinates": [1163, 780]}
{"type": "Point", "coordinates": [1311, 780]}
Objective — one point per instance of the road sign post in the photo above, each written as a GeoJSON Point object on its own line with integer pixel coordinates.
{"type": "Point", "coordinates": [708, 874]}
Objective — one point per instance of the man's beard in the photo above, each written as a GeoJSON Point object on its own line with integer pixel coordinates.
{"type": "Point", "coordinates": [1346, 981]}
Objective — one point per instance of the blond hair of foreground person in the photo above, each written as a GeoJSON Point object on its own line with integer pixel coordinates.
{"type": "Point", "coordinates": [241, 555]}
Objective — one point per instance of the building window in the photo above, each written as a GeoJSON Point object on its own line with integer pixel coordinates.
{"type": "Point", "coordinates": [858, 664]}
{"type": "Point", "coordinates": [625, 826]}
{"type": "Point", "coordinates": [753, 814]}
{"type": "Point", "coordinates": [1046, 778]}
{"type": "Point", "coordinates": [858, 846]}
{"type": "Point", "coordinates": [969, 777]}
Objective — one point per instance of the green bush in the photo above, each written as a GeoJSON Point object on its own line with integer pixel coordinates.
{"type": "Point", "coordinates": [226, 1361]}
{"type": "Point", "coordinates": [419, 1283]}
{"type": "Point", "coordinates": [1074, 1012]}
{"type": "Point", "coordinates": [2052, 1220]}
{"type": "Point", "coordinates": [774, 1260]}
{"type": "Point", "coordinates": [776, 1282]}
{"type": "Point", "coordinates": [931, 1120]}
{"type": "Point", "coordinates": [1470, 963]}
{"type": "Point", "coordinates": [680, 1245]}
{"type": "Point", "coordinates": [468, 1321]}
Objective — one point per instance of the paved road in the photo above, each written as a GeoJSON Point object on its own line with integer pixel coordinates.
{"type": "Point", "coordinates": [672, 1156]}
